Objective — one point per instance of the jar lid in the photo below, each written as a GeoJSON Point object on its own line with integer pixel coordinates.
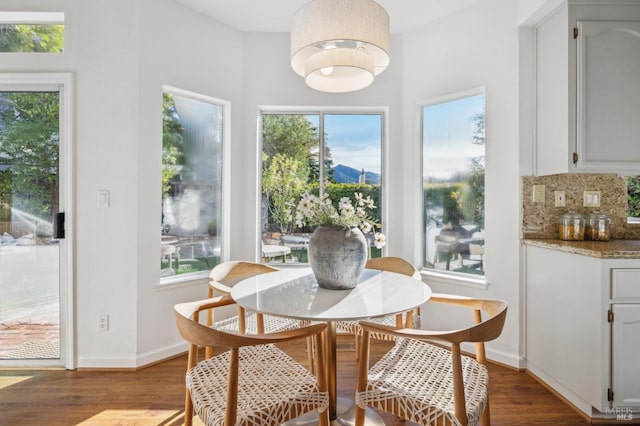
{"type": "Point", "coordinates": [598, 215]}
{"type": "Point", "coordinates": [572, 215]}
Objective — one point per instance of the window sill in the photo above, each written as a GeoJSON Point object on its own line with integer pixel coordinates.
{"type": "Point", "coordinates": [167, 283]}
{"type": "Point", "coordinates": [431, 276]}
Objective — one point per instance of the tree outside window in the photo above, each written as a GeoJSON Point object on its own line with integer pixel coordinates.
{"type": "Point", "coordinates": [29, 137]}
{"type": "Point", "coordinates": [31, 38]}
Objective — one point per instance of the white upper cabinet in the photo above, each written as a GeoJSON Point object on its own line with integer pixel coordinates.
{"type": "Point", "coordinates": [609, 96]}
{"type": "Point", "coordinates": [588, 89]}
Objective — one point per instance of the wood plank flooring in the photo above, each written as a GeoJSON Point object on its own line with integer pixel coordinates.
{"type": "Point", "coordinates": [155, 395]}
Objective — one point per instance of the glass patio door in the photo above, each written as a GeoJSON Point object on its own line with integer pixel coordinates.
{"type": "Point", "coordinates": [32, 246]}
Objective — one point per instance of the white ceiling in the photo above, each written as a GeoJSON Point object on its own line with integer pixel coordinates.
{"type": "Point", "coordinates": [275, 15]}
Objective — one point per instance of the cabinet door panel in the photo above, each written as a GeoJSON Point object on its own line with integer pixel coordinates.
{"type": "Point", "coordinates": [626, 346]}
{"type": "Point", "coordinates": [608, 93]}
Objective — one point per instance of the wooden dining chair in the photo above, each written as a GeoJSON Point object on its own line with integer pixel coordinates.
{"type": "Point", "coordinates": [253, 382]}
{"type": "Point", "coordinates": [424, 378]}
{"type": "Point", "coordinates": [222, 278]}
{"type": "Point", "coordinates": [392, 264]}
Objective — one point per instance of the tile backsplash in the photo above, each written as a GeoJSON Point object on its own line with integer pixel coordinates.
{"type": "Point", "coordinates": [540, 219]}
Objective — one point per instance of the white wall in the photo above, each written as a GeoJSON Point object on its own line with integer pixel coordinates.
{"type": "Point", "coordinates": [180, 48]}
{"type": "Point", "coordinates": [122, 52]}
{"type": "Point", "coordinates": [476, 47]}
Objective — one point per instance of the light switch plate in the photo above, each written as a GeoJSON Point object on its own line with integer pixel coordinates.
{"type": "Point", "coordinates": [591, 199]}
{"type": "Point", "coordinates": [104, 198]}
{"type": "Point", "coordinates": [560, 199]}
{"type": "Point", "coordinates": [538, 194]}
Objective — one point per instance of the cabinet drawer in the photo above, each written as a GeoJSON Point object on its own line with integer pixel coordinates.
{"type": "Point", "coordinates": [625, 283]}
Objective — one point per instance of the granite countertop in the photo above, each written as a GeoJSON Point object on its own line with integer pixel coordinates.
{"type": "Point", "coordinates": [613, 249]}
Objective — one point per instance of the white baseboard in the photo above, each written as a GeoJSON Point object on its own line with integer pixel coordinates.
{"type": "Point", "coordinates": [132, 362]}
{"type": "Point", "coordinates": [162, 354]}
{"type": "Point", "coordinates": [501, 357]}
{"type": "Point", "coordinates": [561, 390]}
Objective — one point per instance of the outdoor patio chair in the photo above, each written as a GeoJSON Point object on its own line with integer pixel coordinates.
{"type": "Point", "coordinates": [424, 378]}
{"type": "Point", "coordinates": [253, 382]}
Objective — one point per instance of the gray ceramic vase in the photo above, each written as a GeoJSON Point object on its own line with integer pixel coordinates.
{"type": "Point", "coordinates": [337, 255]}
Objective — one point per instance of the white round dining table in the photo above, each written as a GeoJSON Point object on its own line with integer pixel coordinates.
{"type": "Point", "coordinates": [294, 293]}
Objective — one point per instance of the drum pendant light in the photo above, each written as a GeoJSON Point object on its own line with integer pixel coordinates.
{"type": "Point", "coordinates": [340, 45]}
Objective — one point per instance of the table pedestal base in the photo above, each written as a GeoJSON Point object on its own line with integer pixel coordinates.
{"type": "Point", "coordinates": [346, 411]}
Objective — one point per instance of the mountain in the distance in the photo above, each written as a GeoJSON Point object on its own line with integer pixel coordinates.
{"type": "Point", "coordinates": [346, 174]}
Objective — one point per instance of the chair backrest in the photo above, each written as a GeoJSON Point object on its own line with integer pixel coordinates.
{"type": "Point", "coordinates": [225, 275]}
{"type": "Point", "coordinates": [400, 266]}
{"type": "Point", "coordinates": [483, 330]}
{"type": "Point", "coordinates": [190, 328]}
{"type": "Point", "coordinates": [198, 335]}
{"type": "Point", "coordinates": [393, 264]}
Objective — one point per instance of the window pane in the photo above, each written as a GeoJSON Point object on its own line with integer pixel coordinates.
{"type": "Point", "coordinates": [453, 185]}
{"type": "Point", "coordinates": [350, 151]}
{"type": "Point", "coordinates": [191, 184]}
{"type": "Point", "coordinates": [353, 143]}
{"type": "Point", "coordinates": [29, 200]}
{"type": "Point", "coordinates": [633, 195]}
{"type": "Point", "coordinates": [31, 38]}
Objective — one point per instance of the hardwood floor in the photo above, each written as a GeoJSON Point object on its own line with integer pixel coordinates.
{"type": "Point", "coordinates": [155, 395]}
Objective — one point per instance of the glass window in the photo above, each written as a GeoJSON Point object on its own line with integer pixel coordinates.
{"type": "Point", "coordinates": [192, 163]}
{"type": "Point", "coordinates": [633, 195]}
{"type": "Point", "coordinates": [453, 168]}
{"type": "Point", "coordinates": [31, 32]}
{"type": "Point", "coordinates": [297, 149]}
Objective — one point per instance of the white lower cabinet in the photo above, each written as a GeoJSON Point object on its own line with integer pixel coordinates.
{"type": "Point", "coordinates": [583, 329]}
{"type": "Point", "coordinates": [625, 361]}
{"type": "Point", "coordinates": [625, 338]}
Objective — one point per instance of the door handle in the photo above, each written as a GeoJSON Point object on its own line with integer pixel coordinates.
{"type": "Point", "coordinates": [58, 226]}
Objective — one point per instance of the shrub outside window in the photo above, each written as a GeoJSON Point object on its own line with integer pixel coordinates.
{"type": "Point", "coordinates": [192, 187]}
{"type": "Point", "coordinates": [345, 149]}
{"type": "Point", "coordinates": [453, 169]}
{"type": "Point", "coordinates": [633, 196]}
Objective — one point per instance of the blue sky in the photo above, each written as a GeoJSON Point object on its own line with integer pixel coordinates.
{"type": "Point", "coordinates": [447, 136]}
{"type": "Point", "coordinates": [355, 140]}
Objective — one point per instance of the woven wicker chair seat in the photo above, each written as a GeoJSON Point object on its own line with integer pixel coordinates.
{"type": "Point", "coordinates": [271, 324]}
{"type": "Point", "coordinates": [272, 388]}
{"type": "Point", "coordinates": [417, 377]}
{"type": "Point", "coordinates": [353, 327]}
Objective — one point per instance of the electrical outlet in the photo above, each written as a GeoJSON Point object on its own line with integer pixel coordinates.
{"type": "Point", "coordinates": [103, 322]}
{"type": "Point", "coordinates": [560, 198]}
{"type": "Point", "coordinates": [538, 194]}
{"type": "Point", "coordinates": [591, 199]}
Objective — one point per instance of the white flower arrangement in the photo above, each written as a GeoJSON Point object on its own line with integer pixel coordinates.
{"type": "Point", "coordinates": [312, 210]}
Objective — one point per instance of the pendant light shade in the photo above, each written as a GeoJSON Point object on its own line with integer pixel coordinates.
{"type": "Point", "coordinates": [340, 45]}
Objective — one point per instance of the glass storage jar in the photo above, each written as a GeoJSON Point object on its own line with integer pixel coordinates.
{"type": "Point", "coordinates": [571, 227]}
{"type": "Point", "coordinates": [598, 227]}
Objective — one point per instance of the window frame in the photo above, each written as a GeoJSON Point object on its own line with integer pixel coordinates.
{"type": "Point", "coordinates": [321, 111]}
{"type": "Point", "coordinates": [225, 238]}
{"type": "Point", "coordinates": [437, 276]}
